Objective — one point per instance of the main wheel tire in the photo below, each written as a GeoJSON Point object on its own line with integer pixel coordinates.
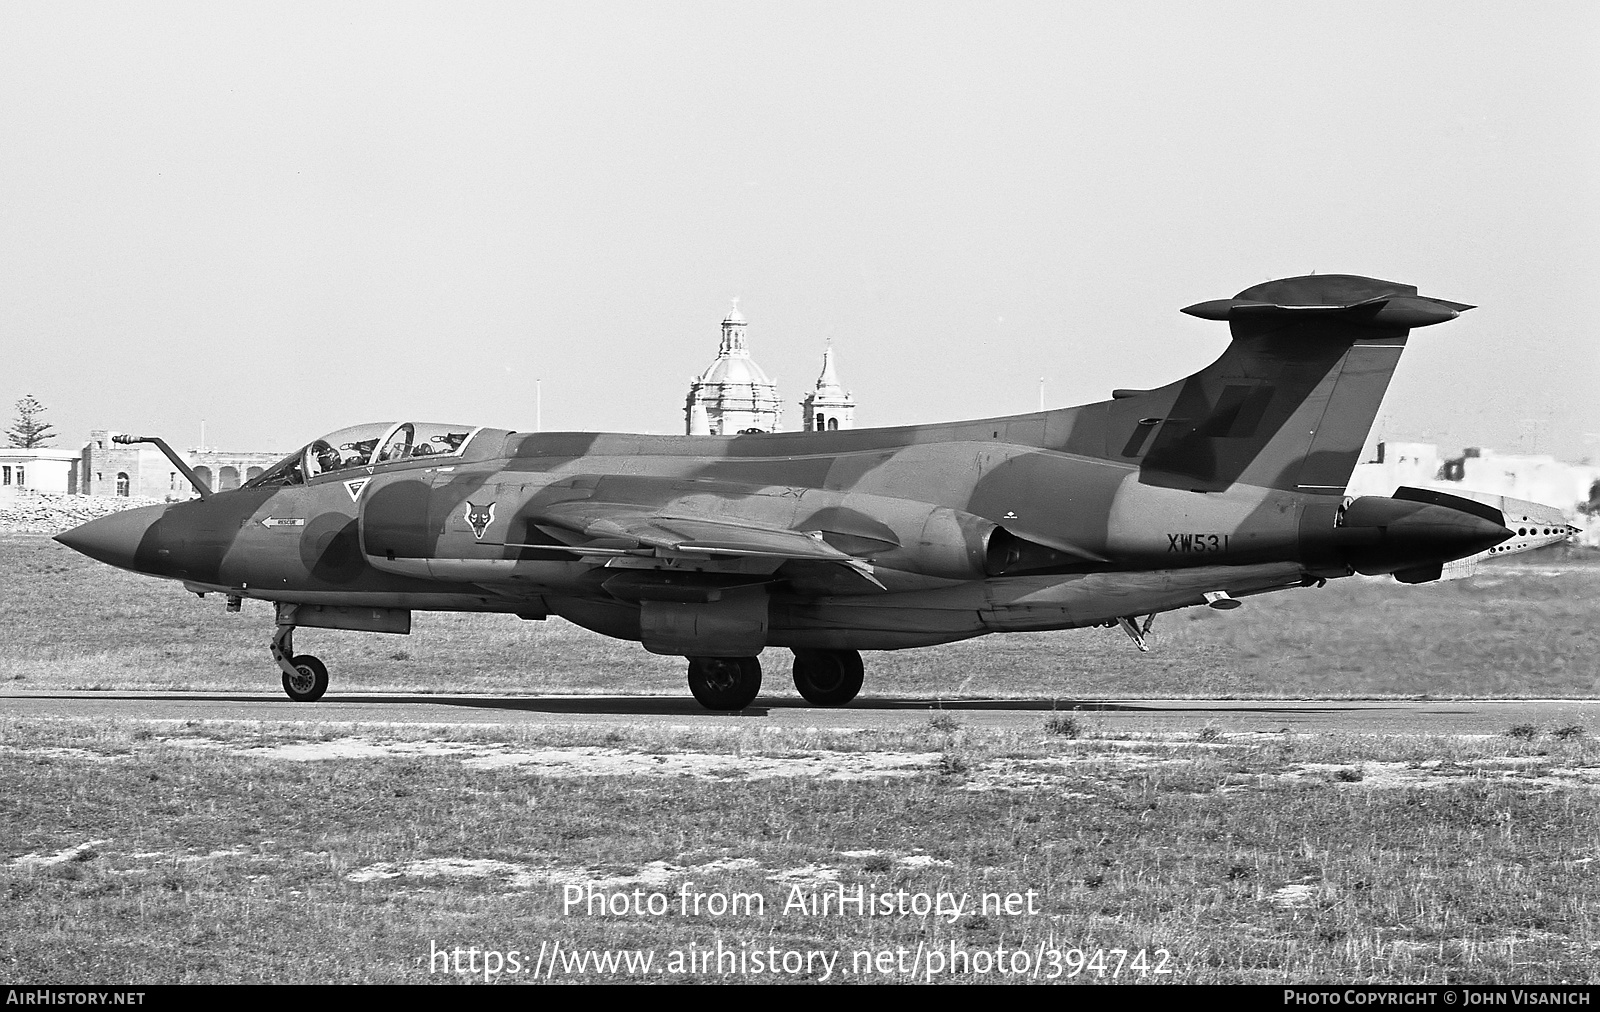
{"type": "Point", "coordinates": [309, 681]}
{"type": "Point", "coordinates": [725, 683]}
{"type": "Point", "coordinates": [828, 677]}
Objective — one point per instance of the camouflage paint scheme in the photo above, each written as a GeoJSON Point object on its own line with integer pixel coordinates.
{"type": "Point", "coordinates": [1226, 483]}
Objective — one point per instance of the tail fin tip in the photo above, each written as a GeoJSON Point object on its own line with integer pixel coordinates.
{"type": "Point", "coordinates": [1353, 299]}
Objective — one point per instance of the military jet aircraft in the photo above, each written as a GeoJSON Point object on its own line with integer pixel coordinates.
{"type": "Point", "coordinates": [1224, 484]}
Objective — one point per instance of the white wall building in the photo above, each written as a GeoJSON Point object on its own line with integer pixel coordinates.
{"type": "Point", "coordinates": [39, 470]}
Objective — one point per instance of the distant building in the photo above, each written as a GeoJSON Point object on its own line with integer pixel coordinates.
{"type": "Point", "coordinates": [1572, 488]}
{"type": "Point", "coordinates": [41, 470]}
{"type": "Point", "coordinates": [828, 406]}
{"type": "Point", "coordinates": [733, 395]}
{"type": "Point", "coordinates": [116, 469]}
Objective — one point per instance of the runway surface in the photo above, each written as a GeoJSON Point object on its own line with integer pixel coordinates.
{"type": "Point", "coordinates": [1466, 716]}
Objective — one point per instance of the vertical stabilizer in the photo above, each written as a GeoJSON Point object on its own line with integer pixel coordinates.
{"type": "Point", "coordinates": [1291, 401]}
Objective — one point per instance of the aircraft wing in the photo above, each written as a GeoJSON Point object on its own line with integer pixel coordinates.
{"type": "Point", "coordinates": [607, 524]}
{"type": "Point", "coordinates": [808, 537]}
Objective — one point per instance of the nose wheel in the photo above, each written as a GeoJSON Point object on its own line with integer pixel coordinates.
{"type": "Point", "coordinates": [305, 678]}
{"type": "Point", "coordinates": [309, 681]}
{"type": "Point", "coordinates": [725, 683]}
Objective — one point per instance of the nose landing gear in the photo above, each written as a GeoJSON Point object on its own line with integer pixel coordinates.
{"type": "Point", "coordinates": [305, 678]}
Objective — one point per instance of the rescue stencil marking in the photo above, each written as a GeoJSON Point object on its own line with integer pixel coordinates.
{"type": "Point", "coordinates": [270, 522]}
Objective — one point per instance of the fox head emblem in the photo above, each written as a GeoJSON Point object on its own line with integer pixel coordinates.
{"type": "Point", "coordinates": [480, 517]}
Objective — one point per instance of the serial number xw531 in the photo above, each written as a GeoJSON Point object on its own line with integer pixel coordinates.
{"type": "Point", "coordinates": [1197, 542]}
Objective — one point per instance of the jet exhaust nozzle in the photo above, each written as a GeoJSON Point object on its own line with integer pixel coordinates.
{"type": "Point", "coordinates": [1378, 535]}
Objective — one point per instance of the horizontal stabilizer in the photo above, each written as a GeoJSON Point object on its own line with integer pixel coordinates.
{"type": "Point", "coordinates": [1345, 298]}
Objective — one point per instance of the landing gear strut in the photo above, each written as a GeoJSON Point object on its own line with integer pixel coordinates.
{"type": "Point", "coordinates": [1135, 632]}
{"type": "Point", "coordinates": [305, 678]}
{"type": "Point", "coordinates": [725, 683]}
{"type": "Point", "coordinates": [827, 677]}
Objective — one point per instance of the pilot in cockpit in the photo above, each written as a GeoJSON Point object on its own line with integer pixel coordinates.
{"type": "Point", "coordinates": [327, 457]}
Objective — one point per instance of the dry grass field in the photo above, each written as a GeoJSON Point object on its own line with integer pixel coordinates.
{"type": "Point", "coordinates": [1515, 630]}
{"type": "Point", "coordinates": [141, 853]}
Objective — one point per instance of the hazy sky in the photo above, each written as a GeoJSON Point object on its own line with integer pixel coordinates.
{"type": "Point", "coordinates": [287, 218]}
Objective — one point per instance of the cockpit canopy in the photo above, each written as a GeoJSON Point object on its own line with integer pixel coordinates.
{"type": "Point", "coordinates": [361, 446]}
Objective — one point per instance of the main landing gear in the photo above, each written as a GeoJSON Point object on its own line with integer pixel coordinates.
{"type": "Point", "coordinates": [725, 683]}
{"type": "Point", "coordinates": [824, 678]}
{"type": "Point", "coordinates": [828, 677]}
{"type": "Point", "coordinates": [305, 678]}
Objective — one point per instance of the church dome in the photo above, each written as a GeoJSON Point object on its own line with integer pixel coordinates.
{"type": "Point", "coordinates": [734, 370]}
{"type": "Point", "coordinates": [733, 394]}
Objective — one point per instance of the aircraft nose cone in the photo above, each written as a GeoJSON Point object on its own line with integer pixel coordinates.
{"type": "Point", "coordinates": [114, 539]}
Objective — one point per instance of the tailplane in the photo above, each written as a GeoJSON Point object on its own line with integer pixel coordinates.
{"type": "Point", "coordinates": [1291, 401]}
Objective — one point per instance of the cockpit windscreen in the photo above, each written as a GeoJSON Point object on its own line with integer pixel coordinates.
{"type": "Point", "coordinates": [361, 446]}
